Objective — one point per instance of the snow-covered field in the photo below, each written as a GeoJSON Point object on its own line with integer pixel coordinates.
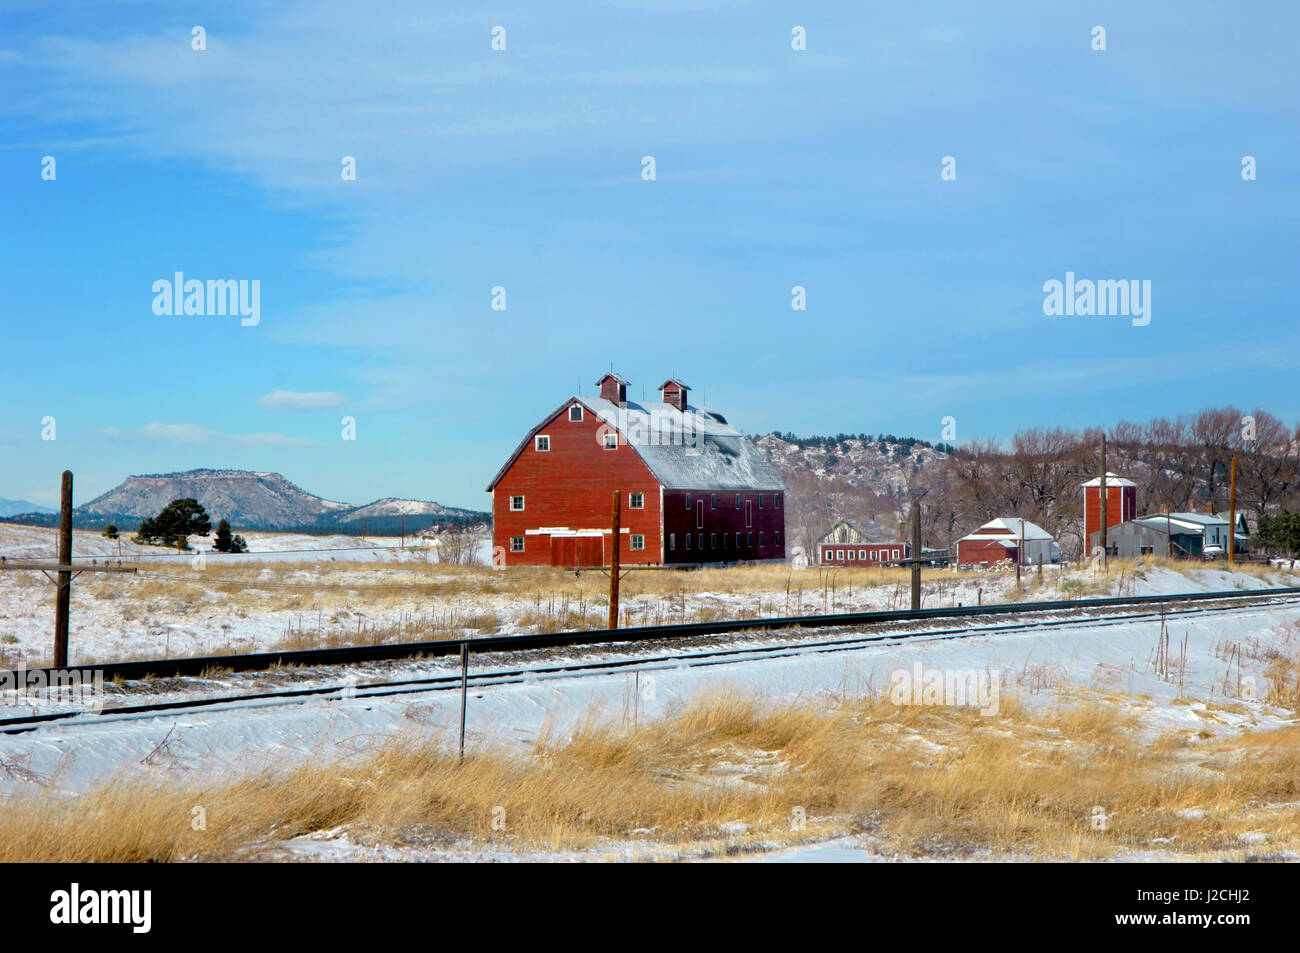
{"type": "Point", "coordinates": [300, 591]}
{"type": "Point", "coordinates": [1220, 687]}
{"type": "Point", "coordinates": [1201, 697]}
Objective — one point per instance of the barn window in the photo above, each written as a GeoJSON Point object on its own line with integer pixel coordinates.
{"type": "Point", "coordinates": [760, 501]}
{"type": "Point", "coordinates": [638, 542]}
{"type": "Point", "coordinates": [725, 537]}
{"type": "Point", "coordinates": [776, 501]}
{"type": "Point", "coordinates": [636, 501]}
{"type": "Point", "coordinates": [516, 544]}
{"type": "Point", "coordinates": [611, 441]}
{"type": "Point", "coordinates": [516, 502]}
{"type": "Point", "coordinates": [760, 538]}
{"type": "Point", "coordinates": [688, 540]}
{"type": "Point", "coordinates": [737, 501]}
{"type": "Point", "coordinates": [776, 538]}
{"type": "Point", "coordinates": [895, 554]}
{"type": "Point", "coordinates": [737, 540]}
{"type": "Point", "coordinates": [701, 541]}
{"type": "Point", "coordinates": [713, 501]}
{"type": "Point", "coordinates": [862, 554]}
{"type": "Point", "coordinates": [575, 413]}
{"type": "Point", "coordinates": [749, 541]}
{"type": "Point", "coordinates": [688, 501]}
{"type": "Point", "coordinates": [713, 541]}
{"type": "Point", "coordinates": [672, 540]}
{"type": "Point", "coordinates": [542, 442]}
{"type": "Point", "coordinates": [852, 554]}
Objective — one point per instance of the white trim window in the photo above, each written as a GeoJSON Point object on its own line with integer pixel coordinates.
{"type": "Point", "coordinates": [575, 413]}
{"type": "Point", "coordinates": [636, 501]}
{"type": "Point", "coordinates": [611, 441]}
{"type": "Point", "coordinates": [516, 544]}
{"type": "Point", "coordinates": [542, 442]}
{"type": "Point", "coordinates": [638, 542]}
{"type": "Point", "coordinates": [516, 504]}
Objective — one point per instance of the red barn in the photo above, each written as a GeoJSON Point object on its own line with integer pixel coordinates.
{"type": "Point", "coordinates": [694, 489]}
{"type": "Point", "coordinates": [1121, 506]}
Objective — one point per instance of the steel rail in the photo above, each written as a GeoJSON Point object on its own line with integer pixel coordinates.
{"type": "Point", "coordinates": [198, 665]}
{"type": "Point", "coordinates": [497, 677]}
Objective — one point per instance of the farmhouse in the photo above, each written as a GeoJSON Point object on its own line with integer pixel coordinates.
{"type": "Point", "coordinates": [692, 488]}
{"type": "Point", "coordinates": [847, 544]}
{"type": "Point", "coordinates": [1002, 539]}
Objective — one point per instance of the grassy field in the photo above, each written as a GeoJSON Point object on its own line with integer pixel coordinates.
{"type": "Point", "coordinates": [729, 774]}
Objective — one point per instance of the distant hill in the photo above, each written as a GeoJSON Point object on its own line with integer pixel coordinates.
{"type": "Point", "coordinates": [15, 507]}
{"type": "Point", "coordinates": [257, 500]}
{"type": "Point", "coordinates": [881, 464]}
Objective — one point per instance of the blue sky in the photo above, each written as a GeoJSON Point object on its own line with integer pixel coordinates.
{"type": "Point", "coordinates": [522, 168]}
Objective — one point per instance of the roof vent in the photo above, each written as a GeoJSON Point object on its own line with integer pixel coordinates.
{"type": "Point", "coordinates": [674, 392]}
{"type": "Point", "coordinates": [613, 388]}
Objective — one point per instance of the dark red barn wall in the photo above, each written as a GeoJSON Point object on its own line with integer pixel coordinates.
{"type": "Point", "coordinates": [724, 516]}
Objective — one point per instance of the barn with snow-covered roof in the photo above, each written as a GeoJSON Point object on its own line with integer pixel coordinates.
{"type": "Point", "coordinates": [693, 488]}
{"type": "Point", "coordinates": [1007, 538]}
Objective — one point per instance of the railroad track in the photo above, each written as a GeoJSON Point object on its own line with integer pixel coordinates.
{"type": "Point", "coordinates": [573, 668]}
{"type": "Point", "coordinates": [182, 667]}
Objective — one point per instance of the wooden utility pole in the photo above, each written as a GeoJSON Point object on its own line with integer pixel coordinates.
{"type": "Point", "coordinates": [1020, 553]}
{"type": "Point", "coordinates": [1232, 513]}
{"type": "Point", "coordinates": [63, 597]}
{"type": "Point", "coordinates": [464, 693]}
{"type": "Point", "coordinates": [65, 572]}
{"type": "Point", "coordinates": [614, 541]}
{"type": "Point", "coordinates": [916, 554]}
{"type": "Point", "coordinates": [1105, 550]}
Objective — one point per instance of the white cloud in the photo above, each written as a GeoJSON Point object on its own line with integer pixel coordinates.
{"type": "Point", "coordinates": [197, 434]}
{"type": "Point", "coordinates": [297, 400]}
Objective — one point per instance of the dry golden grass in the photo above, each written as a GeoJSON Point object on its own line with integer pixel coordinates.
{"type": "Point", "coordinates": [729, 772]}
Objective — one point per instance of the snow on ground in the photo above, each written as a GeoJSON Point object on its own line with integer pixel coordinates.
{"type": "Point", "coordinates": [1041, 664]}
{"type": "Point", "coordinates": [306, 590]}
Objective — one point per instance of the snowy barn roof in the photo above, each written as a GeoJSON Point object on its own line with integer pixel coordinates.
{"type": "Point", "coordinates": [1111, 480]}
{"type": "Point", "coordinates": [1008, 528]}
{"type": "Point", "coordinates": [694, 449]}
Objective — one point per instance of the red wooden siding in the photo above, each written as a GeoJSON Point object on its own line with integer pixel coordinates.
{"type": "Point", "coordinates": [1121, 506]}
{"type": "Point", "coordinates": [976, 551]}
{"type": "Point", "coordinates": [863, 554]}
{"type": "Point", "coordinates": [572, 485]}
